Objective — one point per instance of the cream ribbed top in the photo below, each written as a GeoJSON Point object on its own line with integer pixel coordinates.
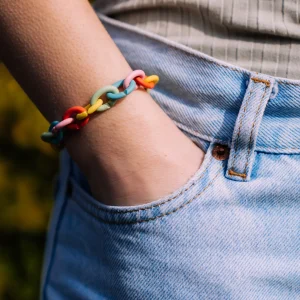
{"type": "Point", "coordinates": [260, 35]}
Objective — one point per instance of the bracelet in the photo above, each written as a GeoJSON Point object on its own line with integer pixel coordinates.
{"type": "Point", "coordinates": [77, 116]}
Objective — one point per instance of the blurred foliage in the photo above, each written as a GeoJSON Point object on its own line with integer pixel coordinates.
{"type": "Point", "coordinates": [27, 169]}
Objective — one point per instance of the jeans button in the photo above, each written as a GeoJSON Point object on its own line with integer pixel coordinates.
{"type": "Point", "coordinates": [220, 152]}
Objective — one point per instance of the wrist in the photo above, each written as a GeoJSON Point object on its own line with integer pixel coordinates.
{"type": "Point", "coordinates": [133, 153]}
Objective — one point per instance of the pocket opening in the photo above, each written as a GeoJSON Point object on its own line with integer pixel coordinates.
{"type": "Point", "coordinates": [152, 210]}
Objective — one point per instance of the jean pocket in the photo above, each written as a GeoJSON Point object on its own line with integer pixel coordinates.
{"type": "Point", "coordinates": [109, 252]}
{"type": "Point", "coordinates": [186, 194]}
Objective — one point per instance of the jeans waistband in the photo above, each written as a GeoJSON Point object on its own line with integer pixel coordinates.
{"type": "Point", "coordinates": [204, 96]}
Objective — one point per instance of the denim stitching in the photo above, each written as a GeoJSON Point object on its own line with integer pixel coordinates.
{"type": "Point", "coordinates": [256, 80]}
{"type": "Point", "coordinates": [160, 216]}
{"type": "Point", "coordinates": [252, 129]}
{"type": "Point", "coordinates": [233, 173]}
{"type": "Point", "coordinates": [159, 204]}
{"type": "Point", "coordinates": [239, 131]}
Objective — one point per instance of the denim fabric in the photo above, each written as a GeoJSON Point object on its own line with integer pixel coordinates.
{"type": "Point", "coordinates": [231, 232]}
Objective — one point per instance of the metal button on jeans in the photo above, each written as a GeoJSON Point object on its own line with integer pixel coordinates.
{"type": "Point", "coordinates": [220, 152]}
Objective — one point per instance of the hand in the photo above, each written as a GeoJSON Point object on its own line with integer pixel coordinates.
{"type": "Point", "coordinates": [133, 153]}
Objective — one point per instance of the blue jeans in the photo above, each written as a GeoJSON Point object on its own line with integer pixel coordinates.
{"type": "Point", "coordinates": [231, 232]}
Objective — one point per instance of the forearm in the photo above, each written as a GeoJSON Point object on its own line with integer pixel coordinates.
{"type": "Point", "coordinates": [61, 54]}
{"type": "Point", "coordinates": [58, 51]}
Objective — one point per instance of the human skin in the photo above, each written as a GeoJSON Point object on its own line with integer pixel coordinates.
{"type": "Point", "coordinates": [60, 54]}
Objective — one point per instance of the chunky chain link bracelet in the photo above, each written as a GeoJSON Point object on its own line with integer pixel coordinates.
{"type": "Point", "coordinates": [77, 116]}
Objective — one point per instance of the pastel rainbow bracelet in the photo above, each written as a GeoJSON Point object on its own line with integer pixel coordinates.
{"type": "Point", "coordinates": [77, 116]}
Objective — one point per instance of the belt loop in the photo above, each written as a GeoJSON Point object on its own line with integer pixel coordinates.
{"type": "Point", "coordinates": [246, 128]}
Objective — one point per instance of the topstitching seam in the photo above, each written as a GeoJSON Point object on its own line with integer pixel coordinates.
{"type": "Point", "coordinates": [159, 216]}
{"type": "Point", "coordinates": [158, 204]}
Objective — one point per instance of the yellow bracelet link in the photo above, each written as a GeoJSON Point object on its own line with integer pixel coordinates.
{"type": "Point", "coordinates": [90, 109]}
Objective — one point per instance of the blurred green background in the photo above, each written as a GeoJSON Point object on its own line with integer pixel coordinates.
{"type": "Point", "coordinates": [27, 170]}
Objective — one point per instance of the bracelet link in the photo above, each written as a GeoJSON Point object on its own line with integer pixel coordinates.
{"type": "Point", "coordinates": [76, 117]}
